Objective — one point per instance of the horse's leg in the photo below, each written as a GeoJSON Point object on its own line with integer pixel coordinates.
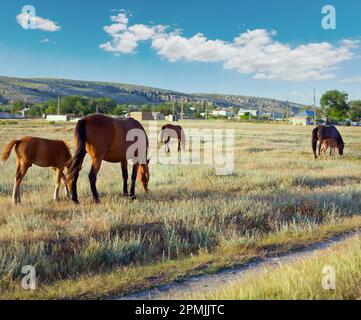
{"type": "Point", "coordinates": [134, 178]}
{"type": "Point", "coordinates": [319, 148]}
{"type": "Point", "coordinates": [58, 176]}
{"type": "Point", "coordinates": [20, 174]}
{"type": "Point", "coordinates": [16, 184]}
{"type": "Point", "coordinates": [66, 189]}
{"type": "Point", "coordinates": [96, 164]}
{"type": "Point", "coordinates": [124, 165]}
{"type": "Point", "coordinates": [167, 146]}
{"type": "Point", "coordinates": [179, 145]}
{"type": "Point", "coordinates": [333, 152]}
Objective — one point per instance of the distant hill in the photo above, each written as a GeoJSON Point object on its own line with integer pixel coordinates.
{"type": "Point", "coordinates": [39, 90]}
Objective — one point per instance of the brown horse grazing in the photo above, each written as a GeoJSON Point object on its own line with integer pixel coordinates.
{"type": "Point", "coordinates": [321, 133]}
{"type": "Point", "coordinates": [43, 153]}
{"type": "Point", "coordinates": [172, 131]}
{"type": "Point", "coordinates": [329, 143]}
{"type": "Point", "coordinates": [114, 141]}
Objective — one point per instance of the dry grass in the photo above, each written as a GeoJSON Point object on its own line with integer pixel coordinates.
{"type": "Point", "coordinates": [277, 198]}
{"type": "Point", "coordinates": [301, 280]}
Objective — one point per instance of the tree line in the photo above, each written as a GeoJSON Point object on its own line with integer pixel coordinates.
{"type": "Point", "coordinates": [82, 106]}
{"type": "Point", "coordinates": [334, 106]}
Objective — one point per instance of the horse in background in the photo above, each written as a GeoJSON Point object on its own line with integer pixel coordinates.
{"type": "Point", "coordinates": [43, 153]}
{"type": "Point", "coordinates": [329, 143]}
{"type": "Point", "coordinates": [170, 131]}
{"type": "Point", "coordinates": [321, 133]}
{"type": "Point", "coordinates": [108, 139]}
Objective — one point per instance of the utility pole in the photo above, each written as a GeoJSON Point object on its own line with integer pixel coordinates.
{"type": "Point", "coordinates": [182, 109]}
{"type": "Point", "coordinates": [57, 91]}
{"type": "Point", "coordinates": [58, 105]}
{"type": "Point", "coordinates": [314, 106]}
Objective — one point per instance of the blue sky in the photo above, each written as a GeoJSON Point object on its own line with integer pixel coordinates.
{"type": "Point", "coordinates": [263, 48]}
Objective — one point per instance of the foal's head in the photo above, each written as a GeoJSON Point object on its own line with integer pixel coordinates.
{"type": "Point", "coordinates": [143, 175]}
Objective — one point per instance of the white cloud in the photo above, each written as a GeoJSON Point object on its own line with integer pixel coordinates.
{"type": "Point", "coordinates": [252, 52]}
{"type": "Point", "coordinates": [47, 41]}
{"type": "Point", "coordinates": [352, 44]}
{"type": "Point", "coordinates": [125, 39]}
{"type": "Point", "coordinates": [39, 23]}
{"type": "Point", "coordinates": [351, 80]}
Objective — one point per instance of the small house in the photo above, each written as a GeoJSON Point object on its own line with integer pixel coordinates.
{"type": "Point", "coordinates": [147, 116]}
{"type": "Point", "coordinates": [220, 113]}
{"type": "Point", "coordinates": [51, 117]}
{"type": "Point", "coordinates": [172, 118]}
{"type": "Point", "coordinates": [251, 112]}
{"type": "Point", "coordinates": [305, 118]}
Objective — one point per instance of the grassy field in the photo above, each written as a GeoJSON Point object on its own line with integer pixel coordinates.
{"type": "Point", "coordinates": [192, 221]}
{"type": "Point", "coordinates": [302, 280]}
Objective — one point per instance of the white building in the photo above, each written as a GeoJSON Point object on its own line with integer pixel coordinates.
{"type": "Point", "coordinates": [51, 117]}
{"type": "Point", "coordinates": [220, 113]}
{"type": "Point", "coordinates": [172, 118]}
{"type": "Point", "coordinates": [305, 118]}
{"type": "Point", "coordinates": [158, 116]}
{"type": "Point", "coordinates": [251, 112]}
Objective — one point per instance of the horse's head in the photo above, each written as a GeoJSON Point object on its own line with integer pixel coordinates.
{"type": "Point", "coordinates": [341, 146]}
{"type": "Point", "coordinates": [143, 175]}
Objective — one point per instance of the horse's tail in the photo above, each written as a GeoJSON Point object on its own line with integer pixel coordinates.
{"type": "Point", "coordinates": [7, 150]}
{"type": "Point", "coordinates": [80, 151]}
{"type": "Point", "coordinates": [314, 140]}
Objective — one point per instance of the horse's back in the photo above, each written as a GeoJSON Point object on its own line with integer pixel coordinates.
{"type": "Point", "coordinates": [43, 152]}
{"type": "Point", "coordinates": [328, 132]}
{"type": "Point", "coordinates": [106, 137]}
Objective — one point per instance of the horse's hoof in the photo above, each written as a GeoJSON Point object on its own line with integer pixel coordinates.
{"type": "Point", "coordinates": [133, 198]}
{"type": "Point", "coordinates": [76, 202]}
{"type": "Point", "coordinates": [125, 194]}
{"type": "Point", "coordinates": [96, 201]}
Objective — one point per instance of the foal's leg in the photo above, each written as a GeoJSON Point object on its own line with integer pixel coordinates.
{"type": "Point", "coordinates": [21, 170]}
{"type": "Point", "coordinates": [58, 176]}
{"type": "Point", "coordinates": [333, 152]}
{"type": "Point", "coordinates": [134, 178]}
{"type": "Point", "coordinates": [179, 145]}
{"type": "Point", "coordinates": [96, 164]}
{"type": "Point", "coordinates": [66, 189]}
{"type": "Point", "coordinates": [125, 178]}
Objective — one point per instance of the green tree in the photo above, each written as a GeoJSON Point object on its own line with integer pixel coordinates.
{"type": "Point", "coordinates": [166, 109]}
{"type": "Point", "coordinates": [18, 105]}
{"type": "Point", "coordinates": [105, 105]}
{"type": "Point", "coordinates": [119, 110]}
{"type": "Point", "coordinates": [35, 111]}
{"type": "Point", "coordinates": [334, 105]}
{"type": "Point", "coordinates": [146, 108]}
{"type": "Point", "coordinates": [50, 107]}
{"type": "Point", "coordinates": [355, 110]}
